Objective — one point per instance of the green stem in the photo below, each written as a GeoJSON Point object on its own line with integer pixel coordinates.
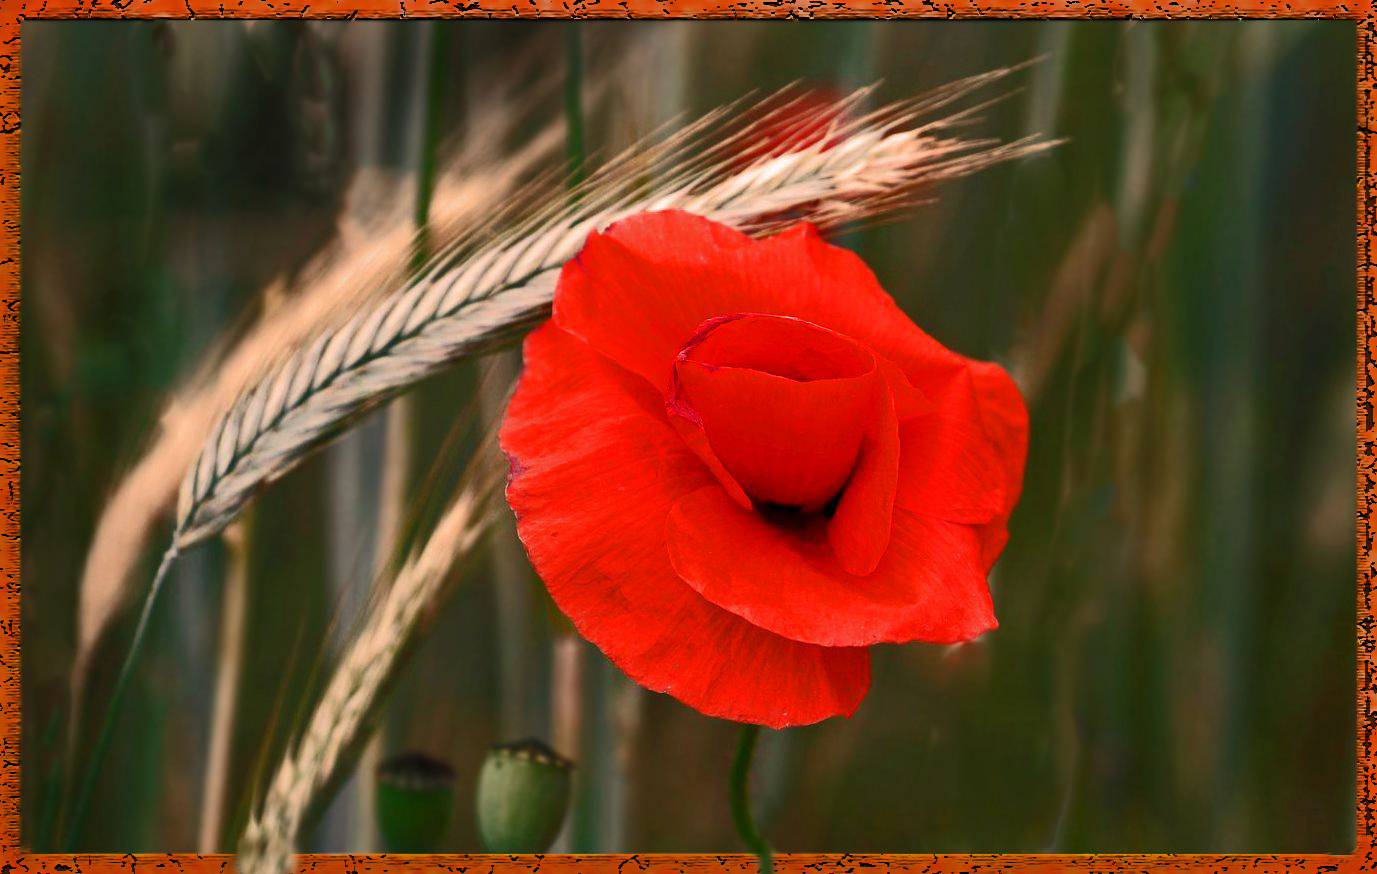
{"type": "Point", "coordinates": [430, 137]}
{"type": "Point", "coordinates": [573, 100]}
{"type": "Point", "coordinates": [51, 791]}
{"type": "Point", "coordinates": [83, 798]}
{"type": "Point", "coordinates": [741, 799]}
{"type": "Point", "coordinates": [52, 787]}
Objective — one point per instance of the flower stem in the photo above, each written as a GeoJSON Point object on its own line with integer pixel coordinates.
{"type": "Point", "coordinates": [88, 783]}
{"type": "Point", "coordinates": [741, 800]}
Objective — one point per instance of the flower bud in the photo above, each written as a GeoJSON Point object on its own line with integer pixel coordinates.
{"type": "Point", "coordinates": [414, 800]}
{"type": "Point", "coordinates": [523, 793]}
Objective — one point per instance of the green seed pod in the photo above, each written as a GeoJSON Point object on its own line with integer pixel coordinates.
{"type": "Point", "coordinates": [523, 794]}
{"type": "Point", "coordinates": [415, 797]}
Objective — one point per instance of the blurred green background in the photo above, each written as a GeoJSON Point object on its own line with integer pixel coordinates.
{"type": "Point", "coordinates": [1173, 289]}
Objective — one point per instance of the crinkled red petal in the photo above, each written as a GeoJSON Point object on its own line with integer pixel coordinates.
{"type": "Point", "coordinates": [782, 576]}
{"type": "Point", "coordinates": [1005, 418]}
{"type": "Point", "coordinates": [784, 405]}
{"type": "Point", "coordinates": [950, 468]}
{"type": "Point", "coordinates": [596, 469]}
{"type": "Point", "coordinates": [638, 292]}
{"type": "Point", "coordinates": [859, 529]}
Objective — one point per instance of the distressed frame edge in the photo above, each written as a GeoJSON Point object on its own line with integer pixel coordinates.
{"type": "Point", "coordinates": [13, 13]}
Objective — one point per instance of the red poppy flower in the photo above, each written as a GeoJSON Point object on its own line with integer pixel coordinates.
{"type": "Point", "coordinates": [737, 464]}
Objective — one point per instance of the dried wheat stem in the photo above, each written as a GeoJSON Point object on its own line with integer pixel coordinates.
{"type": "Point", "coordinates": [336, 726]}
{"type": "Point", "coordinates": [476, 297]}
{"type": "Point", "coordinates": [568, 660]}
{"type": "Point", "coordinates": [223, 711]}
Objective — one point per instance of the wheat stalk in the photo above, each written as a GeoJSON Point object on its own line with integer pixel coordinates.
{"type": "Point", "coordinates": [352, 273]}
{"type": "Point", "coordinates": [336, 727]}
{"type": "Point", "coordinates": [483, 292]}
{"type": "Point", "coordinates": [234, 604]}
{"type": "Point", "coordinates": [348, 274]}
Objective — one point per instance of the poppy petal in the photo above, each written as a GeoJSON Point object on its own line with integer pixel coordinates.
{"type": "Point", "coordinates": [638, 291]}
{"type": "Point", "coordinates": [1005, 417]}
{"type": "Point", "coordinates": [909, 402]}
{"type": "Point", "coordinates": [784, 405]}
{"type": "Point", "coordinates": [930, 585]}
{"type": "Point", "coordinates": [592, 453]}
{"type": "Point", "coordinates": [697, 442]}
{"type": "Point", "coordinates": [780, 345]}
{"type": "Point", "coordinates": [859, 529]}
{"type": "Point", "coordinates": [949, 467]}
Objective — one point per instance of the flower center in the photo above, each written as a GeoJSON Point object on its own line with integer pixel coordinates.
{"type": "Point", "coordinates": [783, 403]}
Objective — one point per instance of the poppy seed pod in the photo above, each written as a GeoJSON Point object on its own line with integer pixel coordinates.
{"type": "Point", "coordinates": [414, 800]}
{"type": "Point", "coordinates": [523, 793]}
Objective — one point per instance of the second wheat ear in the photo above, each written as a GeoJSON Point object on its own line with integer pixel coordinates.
{"type": "Point", "coordinates": [337, 724]}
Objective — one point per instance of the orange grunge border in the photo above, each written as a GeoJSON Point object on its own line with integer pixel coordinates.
{"type": "Point", "coordinates": [13, 858]}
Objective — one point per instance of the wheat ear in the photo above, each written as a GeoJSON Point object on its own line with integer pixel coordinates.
{"type": "Point", "coordinates": [346, 276]}
{"type": "Point", "coordinates": [336, 728]}
{"type": "Point", "coordinates": [483, 292]}
{"type": "Point", "coordinates": [349, 273]}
